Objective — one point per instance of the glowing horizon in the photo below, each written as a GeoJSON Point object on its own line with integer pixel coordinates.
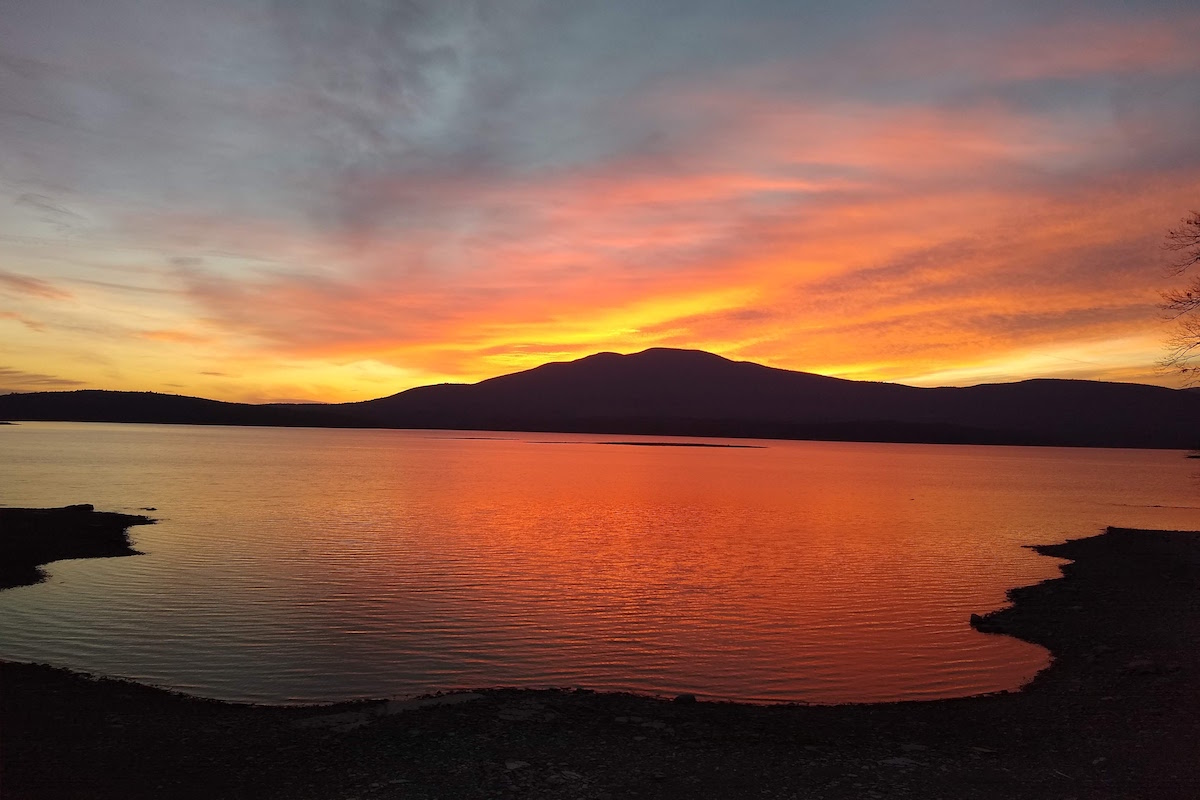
{"type": "Point", "coordinates": [339, 202]}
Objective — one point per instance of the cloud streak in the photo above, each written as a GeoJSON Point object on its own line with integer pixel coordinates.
{"type": "Point", "coordinates": [25, 284]}
{"type": "Point", "coordinates": [15, 380]}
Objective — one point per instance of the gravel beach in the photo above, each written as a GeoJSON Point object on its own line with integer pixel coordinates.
{"type": "Point", "coordinates": [1116, 715]}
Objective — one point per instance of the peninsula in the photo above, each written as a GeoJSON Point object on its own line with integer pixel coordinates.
{"type": "Point", "coordinates": [32, 537]}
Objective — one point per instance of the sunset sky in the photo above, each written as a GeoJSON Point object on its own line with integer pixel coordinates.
{"type": "Point", "coordinates": [308, 199]}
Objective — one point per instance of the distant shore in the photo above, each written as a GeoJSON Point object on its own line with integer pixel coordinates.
{"type": "Point", "coordinates": [1114, 716]}
{"type": "Point", "coordinates": [691, 393]}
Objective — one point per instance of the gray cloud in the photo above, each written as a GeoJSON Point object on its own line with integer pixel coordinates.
{"type": "Point", "coordinates": [49, 209]}
{"type": "Point", "coordinates": [279, 110]}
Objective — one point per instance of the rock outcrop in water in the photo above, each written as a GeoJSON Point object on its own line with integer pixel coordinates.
{"type": "Point", "coordinates": [31, 537]}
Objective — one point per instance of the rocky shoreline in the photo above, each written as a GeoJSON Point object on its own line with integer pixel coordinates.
{"type": "Point", "coordinates": [32, 537]}
{"type": "Point", "coordinates": [1117, 715]}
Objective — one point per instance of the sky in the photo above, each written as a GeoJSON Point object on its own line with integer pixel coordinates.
{"type": "Point", "coordinates": [318, 200]}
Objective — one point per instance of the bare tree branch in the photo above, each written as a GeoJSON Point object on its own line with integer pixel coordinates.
{"type": "Point", "coordinates": [1183, 347]}
{"type": "Point", "coordinates": [1184, 240]}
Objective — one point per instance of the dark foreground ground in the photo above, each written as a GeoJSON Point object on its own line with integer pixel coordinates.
{"type": "Point", "coordinates": [1116, 716]}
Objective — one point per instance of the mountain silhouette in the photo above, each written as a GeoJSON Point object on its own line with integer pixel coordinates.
{"type": "Point", "coordinates": [688, 392]}
{"type": "Point", "coordinates": [95, 405]}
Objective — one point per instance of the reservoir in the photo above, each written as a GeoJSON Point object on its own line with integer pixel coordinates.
{"type": "Point", "coordinates": [306, 565]}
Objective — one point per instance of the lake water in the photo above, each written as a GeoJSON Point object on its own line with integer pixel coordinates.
{"type": "Point", "coordinates": [313, 565]}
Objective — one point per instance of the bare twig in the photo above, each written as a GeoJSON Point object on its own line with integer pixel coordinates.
{"type": "Point", "coordinates": [1183, 348]}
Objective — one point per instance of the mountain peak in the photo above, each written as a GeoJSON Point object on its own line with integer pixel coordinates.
{"type": "Point", "coordinates": [678, 352]}
{"type": "Point", "coordinates": [657, 354]}
{"type": "Point", "coordinates": [692, 392]}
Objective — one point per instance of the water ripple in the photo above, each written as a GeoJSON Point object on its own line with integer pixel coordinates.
{"type": "Point", "coordinates": [298, 566]}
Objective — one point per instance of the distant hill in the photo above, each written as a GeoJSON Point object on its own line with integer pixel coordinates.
{"type": "Point", "coordinates": [688, 392]}
{"type": "Point", "coordinates": [94, 405]}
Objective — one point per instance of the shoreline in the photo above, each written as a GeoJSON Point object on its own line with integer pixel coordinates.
{"type": "Point", "coordinates": [31, 538]}
{"type": "Point", "coordinates": [1114, 715]}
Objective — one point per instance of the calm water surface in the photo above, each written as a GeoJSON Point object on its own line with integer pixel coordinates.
{"type": "Point", "coordinates": [311, 565]}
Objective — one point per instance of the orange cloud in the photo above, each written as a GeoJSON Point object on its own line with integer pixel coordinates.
{"type": "Point", "coordinates": [923, 206]}
{"type": "Point", "coordinates": [23, 284]}
{"type": "Point", "coordinates": [32, 324]}
{"type": "Point", "coordinates": [928, 241]}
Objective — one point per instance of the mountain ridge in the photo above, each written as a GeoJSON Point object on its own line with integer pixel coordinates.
{"type": "Point", "coordinates": [664, 391]}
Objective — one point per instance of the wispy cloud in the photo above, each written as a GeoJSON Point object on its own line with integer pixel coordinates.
{"type": "Point", "coordinates": [15, 380]}
{"type": "Point", "coordinates": [175, 337]}
{"type": "Point", "coordinates": [31, 324]}
{"type": "Point", "coordinates": [25, 284]}
{"type": "Point", "coordinates": [48, 211]}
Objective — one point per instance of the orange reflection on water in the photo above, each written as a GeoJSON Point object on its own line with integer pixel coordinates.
{"type": "Point", "coordinates": [715, 563]}
{"type": "Point", "coordinates": [323, 565]}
